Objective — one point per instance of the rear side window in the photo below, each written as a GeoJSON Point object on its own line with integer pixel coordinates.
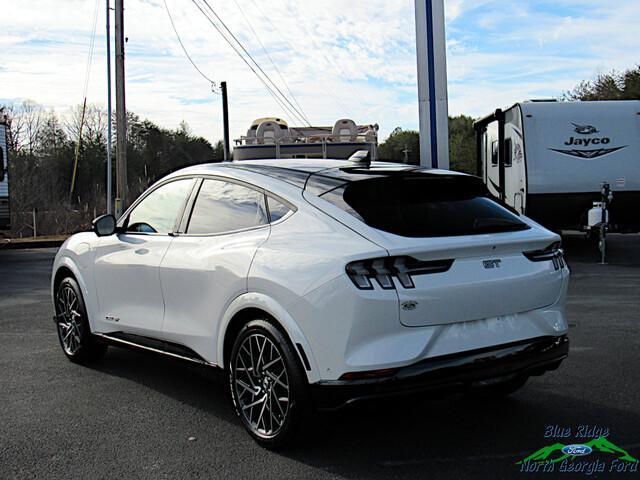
{"type": "Point", "coordinates": [226, 207]}
{"type": "Point", "coordinates": [422, 205]}
{"type": "Point", "coordinates": [277, 209]}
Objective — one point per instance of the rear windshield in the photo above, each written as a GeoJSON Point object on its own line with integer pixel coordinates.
{"type": "Point", "coordinates": [424, 205]}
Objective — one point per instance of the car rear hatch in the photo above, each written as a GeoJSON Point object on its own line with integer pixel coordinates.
{"type": "Point", "coordinates": [455, 255]}
{"type": "Point", "coordinates": [490, 279]}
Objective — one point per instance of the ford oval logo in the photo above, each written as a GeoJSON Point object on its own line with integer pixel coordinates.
{"type": "Point", "coordinates": [577, 450]}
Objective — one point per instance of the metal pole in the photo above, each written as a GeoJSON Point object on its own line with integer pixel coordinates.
{"type": "Point", "coordinates": [432, 83]}
{"type": "Point", "coordinates": [121, 114]}
{"type": "Point", "coordinates": [225, 121]}
{"type": "Point", "coordinates": [109, 127]}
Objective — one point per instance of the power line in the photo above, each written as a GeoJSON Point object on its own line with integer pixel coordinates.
{"type": "Point", "coordinates": [275, 66]}
{"type": "Point", "coordinates": [331, 92]}
{"type": "Point", "coordinates": [277, 100]}
{"type": "Point", "coordinates": [284, 100]}
{"type": "Point", "coordinates": [91, 49]}
{"type": "Point", "coordinates": [298, 115]}
{"type": "Point", "coordinates": [186, 53]}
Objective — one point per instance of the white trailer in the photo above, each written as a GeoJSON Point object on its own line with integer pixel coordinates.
{"type": "Point", "coordinates": [549, 160]}
{"type": "Point", "coordinates": [5, 218]}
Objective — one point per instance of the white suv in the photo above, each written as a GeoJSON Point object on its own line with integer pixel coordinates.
{"type": "Point", "coordinates": [316, 283]}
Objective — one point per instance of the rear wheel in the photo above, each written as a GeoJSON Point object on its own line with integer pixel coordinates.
{"type": "Point", "coordinates": [74, 333]}
{"type": "Point", "coordinates": [268, 385]}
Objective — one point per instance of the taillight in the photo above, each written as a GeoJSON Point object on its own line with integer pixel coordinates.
{"type": "Point", "coordinates": [553, 252]}
{"type": "Point", "coordinates": [384, 269]}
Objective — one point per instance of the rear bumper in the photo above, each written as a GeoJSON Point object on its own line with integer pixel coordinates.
{"type": "Point", "coordinates": [449, 373]}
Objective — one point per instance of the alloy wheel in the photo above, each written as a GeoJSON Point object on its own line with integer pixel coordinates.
{"type": "Point", "coordinates": [261, 385]}
{"type": "Point", "coordinates": [70, 326]}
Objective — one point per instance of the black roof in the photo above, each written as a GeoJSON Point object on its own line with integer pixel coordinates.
{"type": "Point", "coordinates": [319, 175]}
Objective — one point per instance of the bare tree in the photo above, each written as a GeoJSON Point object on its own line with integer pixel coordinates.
{"type": "Point", "coordinates": [95, 124]}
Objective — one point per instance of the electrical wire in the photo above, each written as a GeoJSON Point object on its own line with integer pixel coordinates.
{"type": "Point", "coordinates": [291, 108]}
{"type": "Point", "coordinates": [294, 48]}
{"type": "Point", "coordinates": [186, 53]}
{"type": "Point", "coordinates": [275, 66]}
{"type": "Point", "coordinates": [78, 148]}
{"type": "Point", "coordinates": [282, 99]}
{"type": "Point", "coordinates": [92, 44]}
{"type": "Point", "coordinates": [277, 100]}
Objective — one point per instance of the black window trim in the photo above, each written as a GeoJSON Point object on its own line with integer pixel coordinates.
{"type": "Point", "coordinates": [495, 154]}
{"type": "Point", "coordinates": [124, 220]}
{"type": "Point", "coordinates": [508, 152]}
{"type": "Point", "coordinates": [183, 227]}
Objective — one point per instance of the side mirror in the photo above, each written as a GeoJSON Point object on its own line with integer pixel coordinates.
{"type": "Point", "coordinates": [104, 225]}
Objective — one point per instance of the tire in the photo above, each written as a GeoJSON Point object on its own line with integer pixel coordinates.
{"type": "Point", "coordinates": [72, 324]}
{"type": "Point", "coordinates": [268, 384]}
{"type": "Point", "coordinates": [500, 390]}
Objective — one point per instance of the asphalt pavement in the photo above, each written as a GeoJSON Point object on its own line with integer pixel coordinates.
{"type": "Point", "coordinates": [141, 416]}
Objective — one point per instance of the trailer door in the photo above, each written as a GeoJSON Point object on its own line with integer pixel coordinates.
{"type": "Point", "coordinates": [514, 161]}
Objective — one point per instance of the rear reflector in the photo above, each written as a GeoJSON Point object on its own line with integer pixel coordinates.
{"type": "Point", "coordinates": [369, 374]}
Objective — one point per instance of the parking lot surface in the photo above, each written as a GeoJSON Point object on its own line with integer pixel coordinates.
{"type": "Point", "coordinates": [141, 416]}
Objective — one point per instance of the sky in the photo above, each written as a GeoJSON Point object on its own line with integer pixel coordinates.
{"type": "Point", "coordinates": [339, 59]}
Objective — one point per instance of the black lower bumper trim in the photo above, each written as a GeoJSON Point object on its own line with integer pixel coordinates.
{"type": "Point", "coordinates": [449, 373]}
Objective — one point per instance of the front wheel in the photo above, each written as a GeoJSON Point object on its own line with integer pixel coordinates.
{"type": "Point", "coordinates": [74, 333]}
{"type": "Point", "coordinates": [268, 384]}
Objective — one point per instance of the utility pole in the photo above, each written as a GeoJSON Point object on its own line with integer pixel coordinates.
{"type": "Point", "coordinates": [225, 121]}
{"type": "Point", "coordinates": [121, 114]}
{"type": "Point", "coordinates": [109, 132]}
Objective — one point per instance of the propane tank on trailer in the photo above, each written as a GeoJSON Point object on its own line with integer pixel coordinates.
{"type": "Point", "coordinates": [594, 217]}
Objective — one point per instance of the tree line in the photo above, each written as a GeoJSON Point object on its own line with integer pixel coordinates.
{"type": "Point", "coordinates": [43, 148]}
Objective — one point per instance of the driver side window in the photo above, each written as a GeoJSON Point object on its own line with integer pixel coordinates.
{"type": "Point", "coordinates": [159, 210]}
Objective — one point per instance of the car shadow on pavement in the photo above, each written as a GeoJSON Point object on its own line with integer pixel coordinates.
{"type": "Point", "coordinates": [201, 387]}
{"type": "Point", "coordinates": [452, 436]}
{"type": "Point", "coordinates": [402, 437]}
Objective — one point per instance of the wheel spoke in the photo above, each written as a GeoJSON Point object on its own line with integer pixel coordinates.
{"type": "Point", "coordinates": [277, 379]}
{"type": "Point", "coordinates": [257, 402]}
{"type": "Point", "coordinates": [272, 362]}
{"type": "Point", "coordinates": [261, 353]}
{"type": "Point", "coordinates": [264, 406]}
{"type": "Point", "coordinates": [246, 387]}
{"type": "Point", "coordinates": [273, 394]}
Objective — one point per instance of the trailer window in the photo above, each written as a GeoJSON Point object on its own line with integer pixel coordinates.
{"type": "Point", "coordinates": [508, 150]}
{"type": "Point", "coordinates": [494, 153]}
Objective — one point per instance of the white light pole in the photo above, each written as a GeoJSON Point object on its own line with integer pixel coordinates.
{"type": "Point", "coordinates": [109, 132]}
{"type": "Point", "coordinates": [432, 84]}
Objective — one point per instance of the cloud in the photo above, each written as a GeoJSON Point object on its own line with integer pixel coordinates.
{"type": "Point", "coordinates": [340, 59]}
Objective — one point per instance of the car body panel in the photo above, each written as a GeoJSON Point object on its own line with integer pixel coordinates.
{"type": "Point", "coordinates": [200, 277]}
{"type": "Point", "coordinates": [127, 279]}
